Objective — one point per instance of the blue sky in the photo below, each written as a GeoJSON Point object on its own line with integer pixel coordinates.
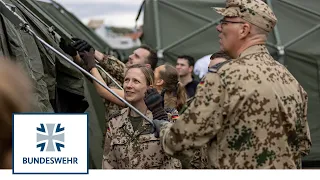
{"type": "Point", "coordinates": [121, 13]}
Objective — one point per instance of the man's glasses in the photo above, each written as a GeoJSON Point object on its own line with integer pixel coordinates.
{"type": "Point", "coordinates": [223, 21]}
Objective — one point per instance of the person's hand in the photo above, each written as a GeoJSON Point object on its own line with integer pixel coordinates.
{"type": "Point", "coordinates": [81, 45]}
{"type": "Point", "coordinates": [157, 125]}
{"type": "Point", "coordinates": [154, 102]}
{"type": "Point", "coordinates": [88, 59]}
{"type": "Point", "coordinates": [67, 48]}
{"type": "Point", "coordinates": [153, 99]}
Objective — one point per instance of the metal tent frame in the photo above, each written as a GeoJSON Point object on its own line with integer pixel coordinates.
{"type": "Point", "coordinates": [283, 48]}
{"type": "Point", "coordinates": [279, 46]}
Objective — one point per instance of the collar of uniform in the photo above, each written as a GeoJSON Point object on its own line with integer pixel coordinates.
{"type": "Point", "coordinates": [254, 50]}
{"type": "Point", "coordinates": [124, 120]}
{"type": "Point", "coordinates": [145, 124]}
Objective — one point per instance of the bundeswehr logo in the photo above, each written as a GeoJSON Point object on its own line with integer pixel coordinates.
{"type": "Point", "coordinates": [50, 143]}
{"type": "Point", "coordinates": [50, 137]}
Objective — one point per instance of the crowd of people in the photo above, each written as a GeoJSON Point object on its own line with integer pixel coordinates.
{"type": "Point", "coordinates": [247, 112]}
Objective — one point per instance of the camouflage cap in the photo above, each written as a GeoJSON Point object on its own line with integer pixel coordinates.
{"type": "Point", "coordinates": [254, 11]}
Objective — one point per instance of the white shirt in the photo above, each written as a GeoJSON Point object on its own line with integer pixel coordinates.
{"type": "Point", "coordinates": [201, 66]}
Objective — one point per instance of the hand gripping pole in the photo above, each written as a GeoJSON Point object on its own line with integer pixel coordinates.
{"type": "Point", "coordinates": [23, 25]}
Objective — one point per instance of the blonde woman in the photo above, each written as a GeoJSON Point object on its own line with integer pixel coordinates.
{"type": "Point", "coordinates": [130, 141]}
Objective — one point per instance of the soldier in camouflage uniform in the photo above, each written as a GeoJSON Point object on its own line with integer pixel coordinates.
{"type": "Point", "coordinates": [130, 142]}
{"type": "Point", "coordinates": [112, 65]}
{"type": "Point", "coordinates": [250, 111]}
{"type": "Point", "coordinates": [200, 158]}
{"type": "Point", "coordinates": [116, 68]}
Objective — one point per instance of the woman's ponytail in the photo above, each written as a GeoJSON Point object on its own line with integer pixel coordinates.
{"type": "Point", "coordinates": [181, 96]}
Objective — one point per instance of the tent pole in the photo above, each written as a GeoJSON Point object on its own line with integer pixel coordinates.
{"type": "Point", "coordinates": [139, 13]}
{"type": "Point", "coordinates": [279, 46]}
{"type": "Point", "coordinates": [62, 10]}
{"type": "Point", "coordinates": [271, 45]}
{"type": "Point", "coordinates": [300, 7]}
{"type": "Point", "coordinates": [157, 23]}
{"type": "Point", "coordinates": [19, 22]}
{"type": "Point", "coordinates": [56, 5]}
{"type": "Point", "coordinates": [61, 31]}
{"type": "Point", "coordinates": [302, 36]}
{"type": "Point", "coordinates": [90, 75]}
{"type": "Point", "coordinates": [190, 35]}
{"type": "Point", "coordinates": [186, 11]}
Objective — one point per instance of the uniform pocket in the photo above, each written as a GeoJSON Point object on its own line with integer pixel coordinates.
{"type": "Point", "coordinates": [119, 141]}
{"type": "Point", "coordinates": [145, 138]}
{"type": "Point", "coordinates": [150, 147]}
{"type": "Point", "coordinates": [119, 147]}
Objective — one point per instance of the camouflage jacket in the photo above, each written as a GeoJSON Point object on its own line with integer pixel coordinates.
{"type": "Point", "coordinates": [129, 149]}
{"type": "Point", "coordinates": [116, 69]}
{"type": "Point", "coordinates": [251, 113]}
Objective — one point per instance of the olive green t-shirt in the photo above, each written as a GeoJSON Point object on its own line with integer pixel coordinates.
{"type": "Point", "coordinates": [136, 122]}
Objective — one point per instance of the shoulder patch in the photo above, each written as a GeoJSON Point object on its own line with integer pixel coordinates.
{"type": "Point", "coordinates": [216, 67]}
{"type": "Point", "coordinates": [174, 117]}
{"type": "Point", "coordinates": [201, 83]}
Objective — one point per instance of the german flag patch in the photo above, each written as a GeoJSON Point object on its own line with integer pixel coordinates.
{"type": "Point", "coordinates": [175, 117]}
{"type": "Point", "coordinates": [201, 83]}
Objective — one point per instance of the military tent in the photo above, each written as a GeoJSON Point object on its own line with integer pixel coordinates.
{"type": "Point", "coordinates": [71, 24]}
{"type": "Point", "coordinates": [59, 87]}
{"type": "Point", "coordinates": [179, 27]}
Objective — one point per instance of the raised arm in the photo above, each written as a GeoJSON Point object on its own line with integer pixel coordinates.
{"type": "Point", "coordinates": [88, 58]}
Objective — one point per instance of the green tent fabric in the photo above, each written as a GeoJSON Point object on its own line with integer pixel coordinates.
{"type": "Point", "coordinates": [71, 24]}
{"type": "Point", "coordinates": [66, 73]}
{"type": "Point", "coordinates": [58, 17]}
{"type": "Point", "coordinates": [179, 27]}
{"type": "Point", "coordinates": [23, 49]}
{"type": "Point", "coordinates": [59, 87]}
{"type": "Point", "coordinates": [76, 28]}
{"type": "Point", "coordinates": [55, 15]}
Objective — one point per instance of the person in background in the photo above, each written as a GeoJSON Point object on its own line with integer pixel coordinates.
{"type": "Point", "coordinates": [15, 97]}
{"type": "Point", "coordinates": [167, 83]}
{"type": "Point", "coordinates": [218, 58]}
{"type": "Point", "coordinates": [201, 66]}
{"type": "Point", "coordinates": [185, 66]}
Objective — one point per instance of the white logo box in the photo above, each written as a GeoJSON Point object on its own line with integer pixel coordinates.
{"type": "Point", "coordinates": [62, 141]}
